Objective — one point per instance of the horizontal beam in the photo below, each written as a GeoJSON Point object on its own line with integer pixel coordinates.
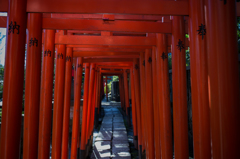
{"type": "Point", "coordinates": [113, 67]}
{"type": "Point", "coordinates": [108, 50]}
{"type": "Point", "coordinates": [104, 40]}
{"type": "Point", "coordinates": [98, 60]}
{"type": "Point", "coordinates": [100, 25]}
{"type": "Point", "coordinates": [105, 6]}
{"type": "Point", "coordinates": [116, 17]}
{"type": "Point", "coordinates": [109, 54]}
{"type": "Point", "coordinates": [110, 46]}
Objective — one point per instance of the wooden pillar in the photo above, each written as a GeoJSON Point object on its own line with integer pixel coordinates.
{"type": "Point", "coordinates": [90, 101]}
{"type": "Point", "coordinates": [126, 93]}
{"type": "Point", "coordinates": [106, 88]}
{"type": "Point", "coordinates": [67, 101]}
{"type": "Point", "coordinates": [149, 104]}
{"type": "Point", "coordinates": [94, 99]}
{"type": "Point", "coordinates": [199, 81]}
{"type": "Point", "coordinates": [138, 101]}
{"type": "Point", "coordinates": [156, 105]}
{"type": "Point", "coordinates": [223, 78]}
{"type": "Point", "coordinates": [134, 114]}
{"type": "Point", "coordinates": [97, 94]}
{"type": "Point", "coordinates": [32, 86]}
{"type": "Point", "coordinates": [143, 101]}
{"type": "Point", "coordinates": [58, 99]}
{"type": "Point", "coordinates": [13, 80]}
{"type": "Point", "coordinates": [45, 116]}
{"type": "Point", "coordinates": [164, 97]}
{"type": "Point", "coordinates": [121, 94]}
{"type": "Point", "coordinates": [76, 109]}
{"type": "Point", "coordinates": [180, 117]}
{"type": "Point", "coordinates": [85, 110]}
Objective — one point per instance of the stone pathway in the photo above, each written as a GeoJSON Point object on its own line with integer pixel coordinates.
{"type": "Point", "coordinates": [111, 141]}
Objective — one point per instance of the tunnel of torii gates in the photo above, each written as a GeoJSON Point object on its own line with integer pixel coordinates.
{"type": "Point", "coordinates": [124, 37]}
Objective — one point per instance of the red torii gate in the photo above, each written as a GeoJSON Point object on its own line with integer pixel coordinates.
{"type": "Point", "coordinates": [215, 81]}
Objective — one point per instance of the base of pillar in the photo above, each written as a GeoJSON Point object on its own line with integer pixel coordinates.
{"type": "Point", "coordinates": [82, 154]}
{"type": "Point", "coordinates": [144, 154]}
{"type": "Point", "coordinates": [135, 142]}
{"type": "Point", "coordinates": [78, 153]}
{"type": "Point", "coordinates": [140, 152]}
{"type": "Point", "coordinates": [128, 116]}
{"type": "Point", "coordinates": [96, 118]}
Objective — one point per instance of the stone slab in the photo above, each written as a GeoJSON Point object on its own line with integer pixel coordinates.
{"type": "Point", "coordinates": [120, 135]}
{"type": "Point", "coordinates": [106, 154]}
{"type": "Point", "coordinates": [119, 129]}
{"type": "Point", "coordinates": [102, 145]}
{"type": "Point", "coordinates": [121, 155]}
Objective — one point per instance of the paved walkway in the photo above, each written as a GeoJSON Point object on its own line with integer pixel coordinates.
{"type": "Point", "coordinates": [112, 140]}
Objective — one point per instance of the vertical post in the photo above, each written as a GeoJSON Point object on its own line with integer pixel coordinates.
{"type": "Point", "coordinates": [120, 91]}
{"type": "Point", "coordinates": [58, 99]}
{"type": "Point", "coordinates": [106, 78]}
{"type": "Point", "coordinates": [97, 94]}
{"type": "Point", "coordinates": [13, 79]}
{"type": "Point", "coordinates": [76, 109]}
{"type": "Point", "coordinates": [143, 101]}
{"type": "Point", "coordinates": [67, 101]}
{"type": "Point", "coordinates": [149, 103]}
{"type": "Point", "coordinates": [85, 110]}
{"type": "Point", "coordinates": [179, 84]}
{"type": "Point", "coordinates": [199, 81]}
{"type": "Point", "coordinates": [156, 105]}
{"type": "Point", "coordinates": [32, 86]}
{"type": "Point", "coordinates": [138, 102]}
{"type": "Point", "coordinates": [223, 78]}
{"type": "Point", "coordinates": [90, 101]}
{"type": "Point", "coordinates": [45, 117]}
{"type": "Point", "coordinates": [126, 92]}
{"type": "Point", "coordinates": [134, 114]}
{"type": "Point", "coordinates": [164, 97]}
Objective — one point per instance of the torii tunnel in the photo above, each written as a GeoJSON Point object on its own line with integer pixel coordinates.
{"type": "Point", "coordinates": [122, 38]}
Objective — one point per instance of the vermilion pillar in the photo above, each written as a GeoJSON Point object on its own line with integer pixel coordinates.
{"type": "Point", "coordinates": [149, 104]}
{"type": "Point", "coordinates": [164, 97]}
{"type": "Point", "coordinates": [32, 85]}
{"type": "Point", "coordinates": [67, 101]}
{"type": "Point", "coordinates": [76, 109]}
{"type": "Point", "coordinates": [199, 81]}
{"type": "Point", "coordinates": [85, 111]}
{"type": "Point", "coordinates": [90, 100]}
{"type": "Point", "coordinates": [223, 78]}
{"type": "Point", "coordinates": [97, 94]}
{"type": "Point", "coordinates": [13, 80]}
{"type": "Point", "coordinates": [106, 87]}
{"type": "Point", "coordinates": [138, 101]}
{"type": "Point", "coordinates": [143, 100]}
{"type": "Point", "coordinates": [120, 91]}
{"type": "Point", "coordinates": [180, 117]}
{"type": "Point", "coordinates": [155, 105]}
{"type": "Point", "coordinates": [94, 99]}
{"type": "Point", "coordinates": [126, 93]}
{"type": "Point", "coordinates": [45, 116]}
{"type": "Point", "coordinates": [58, 99]}
{"type": "Point", "coordinates": [134, 114]}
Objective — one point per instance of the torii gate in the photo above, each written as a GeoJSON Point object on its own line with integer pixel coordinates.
{"type": "Point", "coordinates": [214, 73]}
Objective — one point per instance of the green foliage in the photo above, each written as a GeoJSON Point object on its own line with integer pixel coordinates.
{"type": "Point", "coordinates": [115, 78]}
{"type": "Point", "coordinates": [187, 59]}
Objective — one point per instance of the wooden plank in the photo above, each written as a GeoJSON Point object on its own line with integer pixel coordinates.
{"type": "Point", "coordinates": [77, 49]}
{"type": "Point", "coordinates": [109, 54]}
{"type": "Point", "coordinates": [104, 40]}
{"type": "Point", "coordinates": [149, 7]}
{"type": "Point", "coordinates": [100, 25]}
{"type": "Point", "coordinates": [97, 60]}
